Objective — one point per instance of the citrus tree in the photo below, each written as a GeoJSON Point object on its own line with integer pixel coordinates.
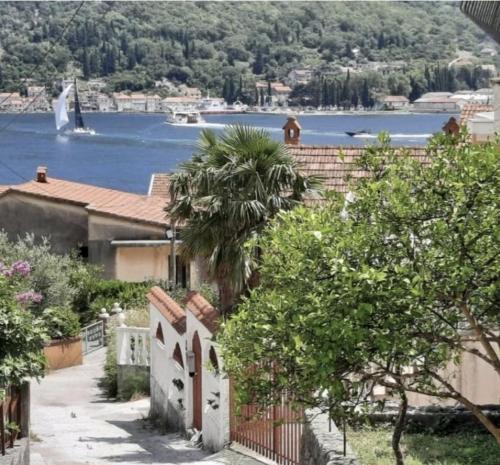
{"type": "Point", "coordinates": [388, 286]}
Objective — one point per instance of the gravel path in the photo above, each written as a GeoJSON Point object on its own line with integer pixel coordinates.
{"type": "Point", "coordinates": [72, 424]}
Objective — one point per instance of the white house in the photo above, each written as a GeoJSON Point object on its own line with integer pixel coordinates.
{"type": "Point", "coordinates": [188, 388]}
{"type": "Point", "coordinates": [436, 102]}
{"type": "Point", "coordinates": [396, 102]}
{"type": "Point", "coordinates": [300, 76]}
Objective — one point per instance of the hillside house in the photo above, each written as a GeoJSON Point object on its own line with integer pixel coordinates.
{"type": "Point", "coordinates": [279, 92]}
{"type": "Point", "coordinates": [299, 77]}
{"type": "Point", "coordinates": [123, 232]}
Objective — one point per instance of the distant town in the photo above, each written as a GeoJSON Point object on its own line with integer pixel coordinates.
{"type": "Point", "coordinates": [270, 96]}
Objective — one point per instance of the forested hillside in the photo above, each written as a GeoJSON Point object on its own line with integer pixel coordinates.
{"type": "Point", "coordinates": [206, 44]}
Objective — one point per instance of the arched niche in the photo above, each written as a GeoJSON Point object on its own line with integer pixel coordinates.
{"type": "Point", "coordinates": [159, 334]}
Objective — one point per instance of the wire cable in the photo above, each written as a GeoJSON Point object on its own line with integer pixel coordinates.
{"type": "Point", "coordinates": [49, 50]}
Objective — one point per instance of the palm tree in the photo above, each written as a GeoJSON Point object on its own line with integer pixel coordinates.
{"type": "Point", "coordinates": [226, 194]}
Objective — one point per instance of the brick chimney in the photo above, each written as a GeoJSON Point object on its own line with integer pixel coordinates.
{"type": "Point", "coordinates": [292, 131]}
{"type": "Point", "coordinates": [451, 128]}
{"type": "Point", "coordinates": [41, 174]}
{"type": "Point", "coordinates": [495, 84]}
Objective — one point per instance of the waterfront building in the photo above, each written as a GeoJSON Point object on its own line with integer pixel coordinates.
{"type": "Point", "coordinates": [395, 102]}
{"type": "Point", "coordinates": [279, 92]}
{"type": "Point", "coordinates": [136, 102]}
{"type": "Point", "coordinates": [436, 102]}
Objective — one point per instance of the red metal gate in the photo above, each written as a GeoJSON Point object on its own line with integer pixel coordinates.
{"type": "Point", "coordinates": [197, 386]}
{"type": "Point", "coordinates": [10, 418]}
{"type": "Point", "coordinates": [275, 433]}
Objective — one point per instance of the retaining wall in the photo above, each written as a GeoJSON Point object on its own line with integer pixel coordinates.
{"type": "Point", "coordinates": [322, 443]}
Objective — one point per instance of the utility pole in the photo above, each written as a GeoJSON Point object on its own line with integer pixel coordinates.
{"type": "Point", "coordinates": [173, 276]}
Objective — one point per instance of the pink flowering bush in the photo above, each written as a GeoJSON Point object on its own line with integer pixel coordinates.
{"type": "Point", "coordinates": [25, 298]}
{"type": "Point", "coordinates": [22, 332]}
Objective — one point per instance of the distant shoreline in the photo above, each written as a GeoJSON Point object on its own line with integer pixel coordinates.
{"type": "Point", "coordinates": [289, 112]}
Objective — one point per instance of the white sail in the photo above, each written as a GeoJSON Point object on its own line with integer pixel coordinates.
{"type": "Point", "coordinates": [60, 108]}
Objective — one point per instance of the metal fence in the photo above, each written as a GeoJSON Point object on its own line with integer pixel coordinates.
{"type": "Point", "coordinates": [274, 433]}
{"type": "Point", "coordinates": [93, 337]}
{"type": "Point", "coordinates": [10, 418]}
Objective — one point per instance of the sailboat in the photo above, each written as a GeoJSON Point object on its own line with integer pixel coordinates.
{"type": "Point", "coordinates": [61, 113]}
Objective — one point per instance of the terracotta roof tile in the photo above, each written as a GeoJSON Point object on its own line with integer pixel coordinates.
{"type": "Point", "coordinates": [334, 165]}
{"type": "Point", "coordinates": [470, 109]}
{"type": "Point", "coordinates": [160, 185]}
{"type": "Point", "coordinates": [203, 311]}
{"type": "Point", "coordinates": [167, 306]}
{"type": "Point", "coordinates": [112, 202]}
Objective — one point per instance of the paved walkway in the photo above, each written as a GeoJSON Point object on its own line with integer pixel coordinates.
{"type": "Point", "coordinates": [73, 425]}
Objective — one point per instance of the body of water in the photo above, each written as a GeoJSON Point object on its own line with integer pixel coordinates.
{"type": "Point", "coordinates": [128, 148]}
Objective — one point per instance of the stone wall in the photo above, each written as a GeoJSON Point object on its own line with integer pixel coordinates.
{"type": "Point", "coordinates": [436, 418]}
{"type": "Point", "coordinates": [322, 443]}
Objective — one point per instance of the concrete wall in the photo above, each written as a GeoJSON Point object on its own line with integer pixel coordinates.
{"type": "Point", "coordinates": [175, 407]}
{"type": "Point", "coordinates": [473, 377]}
{"type": "Point", "coordinates": [103, 229]}
{"type": "Point", "coordinates": [215, 420]}
{"type": "Point", "coordinates": [64, 224]}
{"type": "Point", "coordinates": [322, 443]}
{"type": "Point", "coordinates": [167, 400]}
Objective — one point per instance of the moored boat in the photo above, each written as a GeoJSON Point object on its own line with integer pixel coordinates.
{"type": "Point", "coordinates": [184, 117]}
{"type": "Point", "coordinates": [357, 133]}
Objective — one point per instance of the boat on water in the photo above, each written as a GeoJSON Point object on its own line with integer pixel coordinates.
{"type": "Point", "coordinates": [357, 133]}
{"type": "Point", "coordinates": [61, 113]}
{"type": "Point", "coordinates": [184, 117]}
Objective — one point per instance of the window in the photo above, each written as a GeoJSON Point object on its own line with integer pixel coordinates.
{"type": "Point", "coordinates": [181, 271]}
{"type": "Point", "coordinates": [159, 333]}
{"type": "Point", "coordinates": [214, 361]}
{"type": "Point", "coordinates": [177, 356]}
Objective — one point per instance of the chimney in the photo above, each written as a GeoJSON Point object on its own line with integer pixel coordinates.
{"type": "Point", "coordinates": [451, 128]}
{"type": "Point", "coordinates": [292, 131]}
{"type": "Point", "coordinates": [495, 83]}
{"type": "Point", "coordinates": [41, 174]}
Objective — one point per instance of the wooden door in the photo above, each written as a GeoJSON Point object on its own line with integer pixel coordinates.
{"type": "Point", "coordinates": [197, 386]}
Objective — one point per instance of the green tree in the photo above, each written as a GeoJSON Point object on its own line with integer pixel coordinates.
{"type": "Point", "coordinates": [388, 285]}
{"type": "Point", "coordinates": [226, 194]}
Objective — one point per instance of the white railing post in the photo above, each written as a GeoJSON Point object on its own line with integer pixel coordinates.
{"type": "Point", "coordinates": [131, 346]}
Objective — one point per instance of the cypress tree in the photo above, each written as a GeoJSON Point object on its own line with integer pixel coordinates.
{"type": "Point", "coordinates": [365, 95]}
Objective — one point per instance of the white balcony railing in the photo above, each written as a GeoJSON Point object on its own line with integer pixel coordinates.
{"type": "Point", "coordinates": [132, 346]}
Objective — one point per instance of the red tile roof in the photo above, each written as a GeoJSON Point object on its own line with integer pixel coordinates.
{"type": "Point", "coordinates": [203, 311]}
{"type": "Point", "coordinates": [334, 165]}
{"type": "Point", "coordinates": [470, 109]}
{"type": "Point", "coordinates": [167, 306]}
{"type": "Point", "coordinates": [160, 185]}
{"type": "Point", "coordinates": [125, 205]}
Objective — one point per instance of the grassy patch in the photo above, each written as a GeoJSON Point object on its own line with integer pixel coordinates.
{"type": "Point", "coordinates": [373, 447]}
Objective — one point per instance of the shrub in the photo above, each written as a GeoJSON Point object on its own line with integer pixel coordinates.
{"type": "Point", "coordinates": [109, 382]}
{"type": "Point", "coordinates": [61, 322]}
{"type": "Point", "coordinates": [135, 386]}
